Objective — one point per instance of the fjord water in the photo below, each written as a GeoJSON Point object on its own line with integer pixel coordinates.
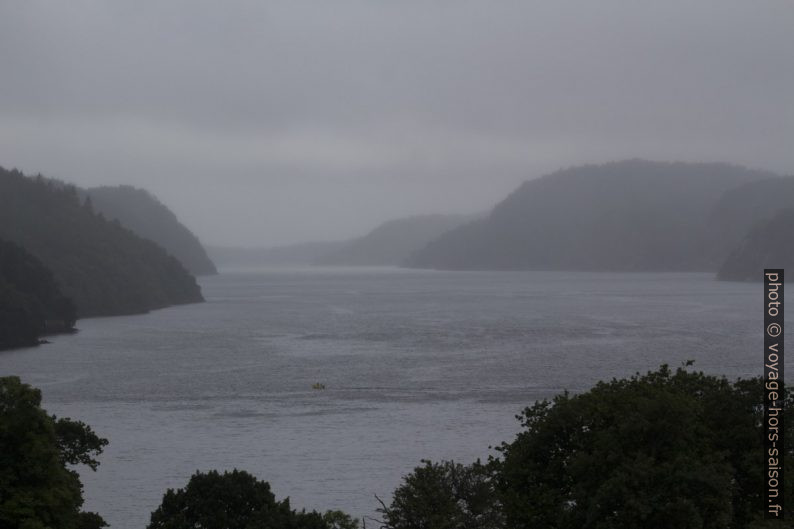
{"type": "Point", "coordinates": [416, 364]}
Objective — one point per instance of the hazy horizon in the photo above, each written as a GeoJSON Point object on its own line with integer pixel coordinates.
{"type": "Point", "coordinates": [263, 124]}
{"type": "Point", "coordinates": [447, 264]}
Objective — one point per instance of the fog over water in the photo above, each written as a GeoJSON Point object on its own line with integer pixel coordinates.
{"type": "Point", "coordinates": [262, 123]}
{"type": "Point", "coordinates": [417, 364]}
{"type": "Point", "coordinates": [368, 178]}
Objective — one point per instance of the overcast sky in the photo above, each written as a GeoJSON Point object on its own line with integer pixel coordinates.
{"type": "Point", "coordinates": [262, 122]}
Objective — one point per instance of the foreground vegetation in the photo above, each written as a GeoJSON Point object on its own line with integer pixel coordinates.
{"type": "Point", "coordinates": [38, 488]}
{"type": "Point", "coordinates": [668, 449]}
{"type": "Point", "coordinates": [236, 499]}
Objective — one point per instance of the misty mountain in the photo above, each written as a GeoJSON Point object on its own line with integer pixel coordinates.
{"type": "Point", "coordinates": [632, 215]}
{"type": "Point", "coordinates": [31, 303]}
{"type": "Point", "coordinates": [105, 268]}
{"type": "Point", "coordinates": [302, 254]}
{"type": "Point", "coordinates": [745, 207]}
{"type": "Point", "coordinates": [394, 241]}
{"type": "Point", "coordinates": [769, 244]}
{"type": "Point", "coordinates": [142, 213]}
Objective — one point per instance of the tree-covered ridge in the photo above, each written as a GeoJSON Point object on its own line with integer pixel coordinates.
{"type": "Point", "coordinates": [31, 303]}
{"type": "Point", "coordinates": [745, 206]}
{"type": "Point", "coordinates": [753, 225]}
{"type": "Point", "coordinates": [142, 213]}
{"type": "Point", "coordinates": [105, 268]}
{"type": "Point", "coordinates": [769, 244]}
{"type": "Point", "coordinates": [633, 215]}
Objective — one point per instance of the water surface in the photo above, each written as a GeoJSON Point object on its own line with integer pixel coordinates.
{"type": "Point", "coordinates": [417, 364]}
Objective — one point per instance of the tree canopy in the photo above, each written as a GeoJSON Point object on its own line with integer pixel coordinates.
{"type": "Point", "coordinates": [667, 449]}
{"type": "Point", "coordinates": [445, 495]}
{"type": "Point", "coordinates": [236, 500]}
{"type": "Point", "coordinates": [38, 490]}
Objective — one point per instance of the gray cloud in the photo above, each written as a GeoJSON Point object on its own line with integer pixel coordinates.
{"type": "Point", "coordinates": [270, 122]}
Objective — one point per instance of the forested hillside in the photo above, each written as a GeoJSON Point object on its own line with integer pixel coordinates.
{"type": "Point", "coordinates": [769, 244]}
{"type": "Point", "coordinates": [31, 303]}
{"type": "Point", "coordinates": [105, 268]}
{"type": "Point", "coordinates": [744, 207]}
{"type": "Point", "coordinates": [633, 215]}
{"type": "Point", "coordinates": [141, 212]}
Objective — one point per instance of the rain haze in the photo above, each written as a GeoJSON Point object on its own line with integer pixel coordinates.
{"type": "Point", "coordinates": [263, 123]}
{"type": "Point", "coordinates": [328, 251]}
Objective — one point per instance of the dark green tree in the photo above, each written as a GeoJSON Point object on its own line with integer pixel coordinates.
{"type": "Point", "coordinates": [37, 488]}
{"type": "Point", "coordinates": [235, 500]}
{"type": "Point", "coordinates": [444, 495]}
{"type": "Point", "coordinates": [667, 449]}
{"type": "Point", "coordinates": [339, 520]}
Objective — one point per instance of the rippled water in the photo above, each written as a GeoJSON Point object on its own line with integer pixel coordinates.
{"type": "Point", "coordinates": [417, 364]}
